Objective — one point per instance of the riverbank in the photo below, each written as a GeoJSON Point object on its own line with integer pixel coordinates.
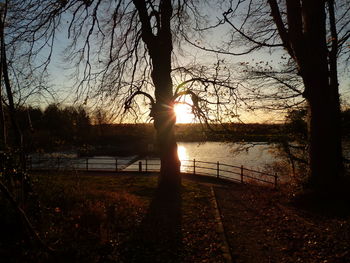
{"type": "Point", "coordinates": [120, 218]}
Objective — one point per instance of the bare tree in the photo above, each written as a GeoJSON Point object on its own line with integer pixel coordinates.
{"type": "Point", "coordinates": [20, 82]}
{"type": "Point", "coordinates": [18, 139]}
{"type": "Point", "coordinates": [314, 34]}
{"type": "Point", "coordinates": [124, 53]}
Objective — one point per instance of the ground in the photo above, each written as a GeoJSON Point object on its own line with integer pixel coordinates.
{"type": "Point", "coordinates": [264, 225]}
{"type": "Point", "coordinates": [116, 218]}
{"type": "Point", "coordinates": [122, 218]}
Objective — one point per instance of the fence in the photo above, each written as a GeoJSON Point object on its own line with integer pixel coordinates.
{"type": "Point", "coordinates": [229, 172]}
{"type": "Point", "coordinates": [196, 167]}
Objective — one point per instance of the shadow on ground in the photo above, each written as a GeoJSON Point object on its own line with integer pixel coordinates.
{"type": "Point", "coordinates": [158, 238]}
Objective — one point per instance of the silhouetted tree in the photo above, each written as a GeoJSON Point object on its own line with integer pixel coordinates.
{"type": "Point", "coordinates": [313, 33]}
{"type": "Point", "coordinates": [82, 122]}
{"type": "Point", "coordinates": [122, 49]}
{"type": "Point", "coordinates": [18, 78]}
{"type": "Point", "coordinates": [296, 123]}
{"type": "Point", "coordinates": [52, 119]}
{"type": "Point", "coordinates": [69, 124]}
{"type": "Point", "coordinates": [99, 117]}
{"type": "Point", "coordinates": [18, 143]}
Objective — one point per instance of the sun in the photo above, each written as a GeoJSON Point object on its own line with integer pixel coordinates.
{"type": "Point", "coordinates": [183, 113]}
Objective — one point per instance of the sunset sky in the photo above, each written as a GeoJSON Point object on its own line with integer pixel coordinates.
{"type": "Point", "coordinates": [62, 83]}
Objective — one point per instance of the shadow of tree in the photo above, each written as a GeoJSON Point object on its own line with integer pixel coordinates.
{"type": "Point", "coordinates": [159, 237]}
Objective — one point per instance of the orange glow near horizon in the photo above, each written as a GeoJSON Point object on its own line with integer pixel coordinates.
{"type": "Point", "coordinates": [183, 113]}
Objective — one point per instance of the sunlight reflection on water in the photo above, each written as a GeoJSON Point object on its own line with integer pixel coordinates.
{"type": "Point", "coordinates": [182, 152]}
{"type": "Point", "coordinates": [256, 156]}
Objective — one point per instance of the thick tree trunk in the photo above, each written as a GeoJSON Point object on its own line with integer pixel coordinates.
{"type": "Point", "coordinates": [325, 155]}
{"type": "Point", "coordinates": [164, 122]}
{"type": "Point", "coordinates": [332, 58]}
{"type": "Point", "coordinates": [160, 47]}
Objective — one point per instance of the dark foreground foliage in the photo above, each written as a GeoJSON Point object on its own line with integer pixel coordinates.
{"type": "Point", "coordinates": [123, 218]}
{"type": "Point", "coordinates": [114, 218]}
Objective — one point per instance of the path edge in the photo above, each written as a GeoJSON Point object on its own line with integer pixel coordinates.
{"type": "Point", "coordinates": [220, 228]}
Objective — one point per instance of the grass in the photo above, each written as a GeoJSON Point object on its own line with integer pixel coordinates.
{"type": "Point", "coordinates": [119, 218]}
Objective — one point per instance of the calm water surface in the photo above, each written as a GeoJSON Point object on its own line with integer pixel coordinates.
{"type": "Point", "coordinates": [252, 155]}
{"type": "Point", "coordinates": [256, 156]}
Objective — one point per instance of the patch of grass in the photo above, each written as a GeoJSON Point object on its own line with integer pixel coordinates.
{"type": "Point", "coordinates": [87, 215]}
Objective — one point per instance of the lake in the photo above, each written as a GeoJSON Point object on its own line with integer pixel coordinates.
{"type": "Point", "coordinates": [252, 155]}
{"type": "Point", "coordinates": [257, 156]}
{"type": "Point", "coordinates": [228, 157]}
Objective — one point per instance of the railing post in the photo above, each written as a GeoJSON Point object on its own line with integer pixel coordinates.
{"type": "Point", "coordinates": [241, 173]}
{"type": "Point", "coordinates": [87, 164]}
{"type": "Point", "coordinates": [116, 164]}
{"type": "Point", "coordinates": [58, 163]}
{"type": "Point", "coordinates": [275, 180]}
{"type": "Point", "coordinates": [146, 165]}
{"type": "Point", "coordinates": [140, 166]}
{"type": "Point", "coordinates": [217, 169]}
{"type": "Point", "coordinates": [30, 162]}
{"type": "Point", "coordinates": [194, 166]}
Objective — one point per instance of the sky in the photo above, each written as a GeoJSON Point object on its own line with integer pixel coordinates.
{"type": "Point", "coordinates": [62, 84]}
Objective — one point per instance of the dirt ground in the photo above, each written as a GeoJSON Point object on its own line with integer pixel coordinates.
{"type": "Point", "coordinates": [263, 225]}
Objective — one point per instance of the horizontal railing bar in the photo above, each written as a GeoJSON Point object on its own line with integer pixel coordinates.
{"type": "Point", "coordinates": [196, 161]}
{"type": "Point", "coordinates": [228, 171]}
{"type": "Point", "coordinates": [234, 166]}
{"type": "Point", "coordinates": [258, 179]}
{"type": "Point", "coordinates": [205, 162]}
{"type": "Point", "coordinates": [204, 173]}
{"type": "Point", "coordinates": [214, 163]}
{"type": "Point", "coordinates": [63, 162]}
{"type": "Point", "coordinates": [229, 165]}
{"type": "Point", "coordinates": [255, 171]}
{"type": "Point", "coordinates": [208, 168]}
{"type": "Point", "coordinates": [230, 178]}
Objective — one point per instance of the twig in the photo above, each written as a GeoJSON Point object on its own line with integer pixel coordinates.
{"type": "Point", "coordinates": [24, 217]}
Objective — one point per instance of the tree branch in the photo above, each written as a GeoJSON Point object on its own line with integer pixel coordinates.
{"type": "Point", "coordinates": [276, 15]}
{"type": "Point", "coordinates": [260, 44]}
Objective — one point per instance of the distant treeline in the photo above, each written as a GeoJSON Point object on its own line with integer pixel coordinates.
{"type": "Point", "coordinates": [59, 128]}
{"type": "Point", "coordinates": [51, 128]}
{"type": "Point", "coordinates": [230, 132]}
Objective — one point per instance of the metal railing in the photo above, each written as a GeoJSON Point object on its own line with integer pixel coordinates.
{"type": "Point", "coordinates": [196, 167]}
{"type": "Point", "coordinates": [229, 172]}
